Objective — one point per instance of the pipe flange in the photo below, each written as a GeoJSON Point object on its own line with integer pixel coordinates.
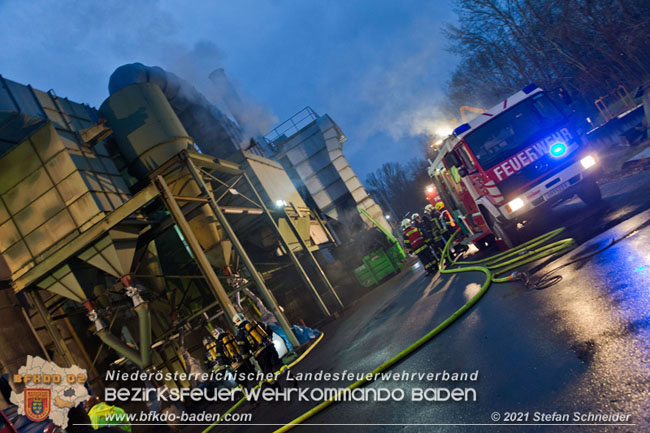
{"type": "Point", "coordinates": [93, 316]}
{"type": "Point", "coordinates": [134, 293]}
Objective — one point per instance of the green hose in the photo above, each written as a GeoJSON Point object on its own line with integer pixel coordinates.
{"type": "Point", "coordinates": [491, 266]}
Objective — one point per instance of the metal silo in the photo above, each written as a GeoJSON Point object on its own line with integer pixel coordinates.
{"type": "Point", "coordinates": [148, 134]}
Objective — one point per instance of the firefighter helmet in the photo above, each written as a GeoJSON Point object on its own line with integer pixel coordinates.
{"type": "Point", "coordinates": [440, 205]}
{"type": "Point", "coordinates": [206, 341]}
{"type": "Point", "coordinates": [406, 223]}
{"type": "Point", "coordinates": [238, 319]}
{"type": "Point", "coordinates": [428, 208]}
{"type": "Point", "coordinates": [216, 332]}
{"type": "Point", "coordinates": [415, 216]}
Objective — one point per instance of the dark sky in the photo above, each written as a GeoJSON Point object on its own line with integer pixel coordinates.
{"type": "Point", "coordinates": [378, 68]}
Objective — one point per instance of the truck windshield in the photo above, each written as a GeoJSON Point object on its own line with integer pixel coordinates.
{"type": "Point", "coordinates": [503, 136]}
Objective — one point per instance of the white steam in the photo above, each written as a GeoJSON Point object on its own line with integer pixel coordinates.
{"type": "Point", "coordinates": [195, 64]}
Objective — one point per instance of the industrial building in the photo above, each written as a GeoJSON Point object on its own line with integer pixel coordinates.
{"type": "Point", "coordinates": [310, 148]}
{"type": "Point", "coordinates": [121, 225]}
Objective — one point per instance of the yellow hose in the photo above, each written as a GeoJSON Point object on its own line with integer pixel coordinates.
{"type": "Point", "coordinates": [301, 357]}
{"type": "Point", "coordinates": [522, 254]}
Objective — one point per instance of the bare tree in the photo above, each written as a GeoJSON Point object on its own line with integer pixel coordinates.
{"type": "Point", "coordinates": [588, 47]}
{"type": "Point", "coordinates": [401, 186]}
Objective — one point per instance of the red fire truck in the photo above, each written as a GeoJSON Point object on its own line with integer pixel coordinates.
{"type": "Point", "coordinates": [507, 165]}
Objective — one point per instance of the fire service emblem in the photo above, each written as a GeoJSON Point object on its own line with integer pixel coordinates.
{"type": "Point", "coordinates": [37, 404]}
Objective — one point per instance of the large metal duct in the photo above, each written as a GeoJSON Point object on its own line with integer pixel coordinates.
{"type": "Point", "coordinates": [148, 134]}
{"type": "Point", "coordinates": [213, 131]}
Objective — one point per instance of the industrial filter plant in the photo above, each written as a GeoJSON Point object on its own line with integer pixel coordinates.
{"type": "Point", "coordinates": [124, 227]}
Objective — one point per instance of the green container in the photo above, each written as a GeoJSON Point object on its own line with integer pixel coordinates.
{"type": "Point", "coordinates": [396, 255]}
{"type": "Point", "coordinates": [365, 276]}
{"type": "Point", "coordinates": [379, 264]}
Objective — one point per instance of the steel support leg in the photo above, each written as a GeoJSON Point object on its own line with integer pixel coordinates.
{"type": "Point", "coordinates": [195, 247]}
{"type": "Point", "coordinates": [57, 339]}
{"type": "Point", "coordinates": [35, 333]}
{"type": "Point", "coordinates": [257, 278]}
{"type": "Point", "coordinates": [80, 346]}
{"type": "Point", "coordinates": [294, 259]}
{"type": "Point", "coordinates": [305, 248]}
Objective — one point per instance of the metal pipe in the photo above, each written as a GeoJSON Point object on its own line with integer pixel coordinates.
{"type": "Point", "coordinates": [57, 339]}
{"type": "Point", "coordinates": [140, 358]}
{"type": "Point", "coordinates": [101, 347]}
{"type": "Point", "coordinates": [195, 247]}
{"type": "Point", "coordinates": [257, 278]}
{"type": "Point", "coordinates": [305, 248]}
{"type": "Point", "coordinates": [144, 321]}
{"type": "Point", "coordinates": [301, 271]}
{"type": "Point", "coordinates": [117, 345]}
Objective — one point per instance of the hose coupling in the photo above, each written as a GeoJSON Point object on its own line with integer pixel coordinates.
{"type": "Point", "coordinates": [517, 275]}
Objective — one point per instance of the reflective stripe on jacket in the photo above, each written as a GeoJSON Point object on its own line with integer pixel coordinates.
{"type": "Point", "coordinates": [414, 240]}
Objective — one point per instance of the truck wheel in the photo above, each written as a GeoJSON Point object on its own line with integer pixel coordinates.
{"type": "Point", "coordinates": [508, 234]}
{"type": "Point", "coordinates": [589, 192]}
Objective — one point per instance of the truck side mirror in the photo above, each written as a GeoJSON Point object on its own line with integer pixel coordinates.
{"type": "Point", "coordinates": [462, 171]}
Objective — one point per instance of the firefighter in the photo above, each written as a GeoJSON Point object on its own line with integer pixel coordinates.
{"type": "Point", "coordinates": [222, 351]}
{"type": "Point", "coordinates": [446, 228]}
{"type": "Point", "coordinates": [444, 222]}
{"type": "Point", "coordinates": [255, 338]}
{"type": "Point", "coordinates": [433, 227]}
{"type": "Point", "coordinates": [214, 357]}
{"type": "Point", "coordinates": [416, 244]}
{"type": "Point", "coordinates": [423, 226]}
{"type": "Point", "coordinates": [429, 232]}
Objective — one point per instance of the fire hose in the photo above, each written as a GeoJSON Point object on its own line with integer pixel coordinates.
{"type": "Point", "coordinates": [492, 266]}
{"type": "Point", "coordinates": [498, 264]}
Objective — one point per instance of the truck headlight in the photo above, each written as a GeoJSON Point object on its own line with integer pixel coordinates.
{"type": "Point", "coordinates": [514, 205]}
{"type": "Point", "coordinates": [588, 161]}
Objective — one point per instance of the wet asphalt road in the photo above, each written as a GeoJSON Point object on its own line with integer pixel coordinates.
{"type": "Point", "coordinates": [581, 345]}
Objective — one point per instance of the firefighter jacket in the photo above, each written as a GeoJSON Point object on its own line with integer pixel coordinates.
{"type": "Point", "coordinates": [425, 228]}
{"type": "Point", "coordinates": [413, 240]}
{"type": "Point", "coordinates": [253, 336]}
{"type": "Point", "coordinates": [438, 229]}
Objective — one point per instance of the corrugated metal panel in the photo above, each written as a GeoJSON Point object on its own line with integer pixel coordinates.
{"type": "Point", "coordinates": [18, 257]}
{"type": "Point", "coordinates": [6, 99]}
{"type": "Point", "coordinates": [39, 211]}
{"type": "Point", "coordinates": [56, 227]}
{"type": "Point", "coordinates": [49, 197]}
{"type": "Point", "coordinates": [276, 184]}
{"type": "Point", "coordinates": [4, 214]}
{"type": "Point", "coordinates": [24, 98]}
{"type": "Point", "coordinates": [9, 235]}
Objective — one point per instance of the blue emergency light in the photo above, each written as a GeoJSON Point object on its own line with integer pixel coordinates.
{"type": "Point", "coordinates": [558, 149]}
